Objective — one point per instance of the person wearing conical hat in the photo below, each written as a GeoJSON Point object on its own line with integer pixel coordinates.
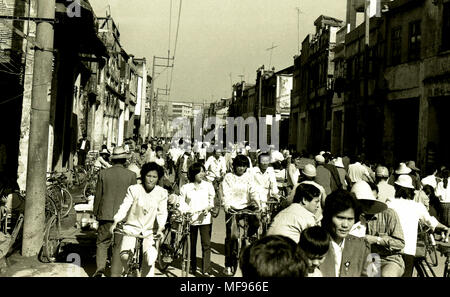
{"type": "Point", "coordinates": [381, 228]}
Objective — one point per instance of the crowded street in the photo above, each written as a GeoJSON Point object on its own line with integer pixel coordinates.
{"type": "Point", "coordinates": [222, 140]}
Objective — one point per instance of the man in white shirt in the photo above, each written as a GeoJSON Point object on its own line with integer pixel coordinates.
{"type": "Point", "coordinates": [357, 172]}
{"type": "Point", "coordinates": [216, 169]}
{"type": "Point", "coordinates": [265, 179]}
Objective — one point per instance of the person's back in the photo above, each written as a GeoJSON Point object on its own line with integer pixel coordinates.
{"type": "Point", "coordinates": [323, 178]}
{"type": "Point", "coordinates": [112, 186]}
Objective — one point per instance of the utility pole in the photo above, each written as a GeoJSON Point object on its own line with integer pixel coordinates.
{"type": "Point", "coordinates": [271, 52]}
{"type": "Point", "coordinates": [34, 219]}
{"type": "Point", "coordinates": [298, 29]}
{"type": "Point", "coordinates": [152, 86]}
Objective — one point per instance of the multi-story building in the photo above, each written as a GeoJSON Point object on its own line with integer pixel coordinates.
{"type": "Point", "coordinates": [396, 84]}
{"type": "Point", "coordinates": [312, 92]}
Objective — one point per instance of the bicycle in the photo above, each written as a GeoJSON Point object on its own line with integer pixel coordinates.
{"type": "Point", "coordinates": [243, 239]}
{"type": "Point", "coordinates": [176, 242]}
{"type": "Point", "coordinates": [91, 184]}
{"type": "Point", "coordinates": [57, 191]}
{"type": "Point", "coordinates": [268, 214]}
{"type": "Point", "coordinates": [444, 250]}
{"type": "Point", "coordinates": [135, 258]}
{"type": "Point", "coordinates": [427, 249]}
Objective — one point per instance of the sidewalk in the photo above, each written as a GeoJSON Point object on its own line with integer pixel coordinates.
{"type": "Point", "coordinates": [18, 266]}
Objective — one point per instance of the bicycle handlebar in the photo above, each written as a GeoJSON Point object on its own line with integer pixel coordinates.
{"type": "Point", "coordinates": [123, 232]}
{"type": "Point", "coordinates": [233, 211]}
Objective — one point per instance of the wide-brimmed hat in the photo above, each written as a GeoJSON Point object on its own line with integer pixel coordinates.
{"type": "Point", "coordinates": [403, 169]}
{"type": "Point", "coordinates": [105, 151]}
{"type": "Point", "coordinates": [338, 162]}
{"type": "Point", "coordinates": [405, 181]}
{"type": "Point", "coordinates": [412, 165]}
{"type": "Point", "coordinates": [309, 170]}
{"type": "Point", "coordinates": [382, 171]}
{"type": "Point", "coordinates": [319, 159]}
{"type": "Point", "coordinates": [119, 153]}
{"type": "Point", "coordinates": [366, 198]}
{"type": "Point", "coordinates": [321, 153]}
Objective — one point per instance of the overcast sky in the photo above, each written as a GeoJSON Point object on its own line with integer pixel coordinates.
{"type": "Point", "coordinates": [215, 38]}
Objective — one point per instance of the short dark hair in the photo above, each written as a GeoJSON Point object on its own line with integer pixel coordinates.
{"type": "Point", "coordinates": [306, 191]}
{"type": "Point", "coordinates": [159, 148]}
{"type": "Point", "coordinates": [267, 155]}
{"type": "Point", "coordinates": [193, 170]}
{"type": "Point", "coordinates": [144, 146]}
{"type": "Point", "coordinates": [338, 201]}
{"type": "Point", "coordinates": [403, 192]}
{"type": "Point", "coordinates": [314, 240]}
{"type": "Point", "coordinates": [240, 160]}
{"type": "Point", "coordinates": [151, 166]}
{"type": "Point", "coordinates": [273, 256]}
{"type": "Point", "coordinates": [295, 155]}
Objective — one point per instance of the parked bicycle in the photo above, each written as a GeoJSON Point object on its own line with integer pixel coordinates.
{"type": "Point", "coordinates": [176, 242]}
{"type": "Point", "coordinates": [135, 257]}
{"type": "Point", "coordinates": [58, 192]}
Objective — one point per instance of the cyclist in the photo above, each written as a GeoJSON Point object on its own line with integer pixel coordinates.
{"type": "Point", "coordinates": [102, 161]}
{"type": "Point", "coordinates": [238, 192]}
{"type": "Point", "coordinates": [144, 209]}
{"type": "Point", "coordinates": [264, 179]}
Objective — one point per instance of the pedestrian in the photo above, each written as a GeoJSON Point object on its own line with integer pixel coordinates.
{"type": "Point", "coordinates": [272, 256]}
{"type": "Point", "coordinates": [238, 192]}
{"type": "Point", "coordinates": [443, 193]}
{"type": "Point", "coordinates": [341, 171]}
{"type": "Point", "coordinates": [357, 171]}
{"type": "Point", "coordinates": [184, 162]}
{"type": "Point", "coordinates": [347, 256]}
{"type": "Point", "coordinates": [84, 145]}
{"type": "Point", "coordinates": [386, 192]}
{"type": "Point", "coordinates": [102, 161]}
{"type": "Point", "coordinates": [314, 245]}
{"type": "Point", "coordinates": [323, 174]}
{"type": "Point", "coordinates": [298, 216]}
{"type": "Point", "coordinates": [415, 174]}
{"type": "Point", "coordinates": [381, 228]}
{"type": "Point", "coordinates": [144, 212]}
{"type": "Point", "coordinates": [111, 188]}
{"type": "Point", "coordinates": [294, 171]}
{"type": "Point", "coordinates": [216, 169]}
{"type": "Point", "coordinates": [410, 214]}
{"type": "Point", "coordinates": [199, 195]}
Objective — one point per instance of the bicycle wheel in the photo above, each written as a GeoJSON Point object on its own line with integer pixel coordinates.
{"type": "Point", "coordinates": [50, 208]}
{"type": "Point", "coordinates": [66, 201]}
{"type": "Point", "coordinates": [52, 239]}
{"type": "Point", "coordinates": [186, 259]}
{"type": "Point", "coordinates": [89, 188]}
{"type": "Point", "coordinates": [431, 255]}
{"type": "Point", "coordinates": [164, 254]}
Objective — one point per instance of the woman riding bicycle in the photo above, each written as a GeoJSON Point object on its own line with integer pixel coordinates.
{"type": "Point", "coordinates": [238, 192]}
{"type": "Point", "coordinates": [145, 211]}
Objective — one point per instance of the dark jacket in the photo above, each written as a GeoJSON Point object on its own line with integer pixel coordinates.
{"type": "Point", "coordinates": [354, 259]}
{"type": "Point", "coordinates": [112, 186]}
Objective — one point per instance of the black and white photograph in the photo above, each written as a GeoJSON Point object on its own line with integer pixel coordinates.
{"type": "Point", "coordinates": [242, 141]}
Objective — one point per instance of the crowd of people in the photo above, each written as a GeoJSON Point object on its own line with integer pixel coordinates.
{"type": "Point", "coordinates": [335, 213]}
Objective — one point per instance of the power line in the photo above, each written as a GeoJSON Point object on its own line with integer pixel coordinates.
{"type": "Point", "coordinates": [175, 47]}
